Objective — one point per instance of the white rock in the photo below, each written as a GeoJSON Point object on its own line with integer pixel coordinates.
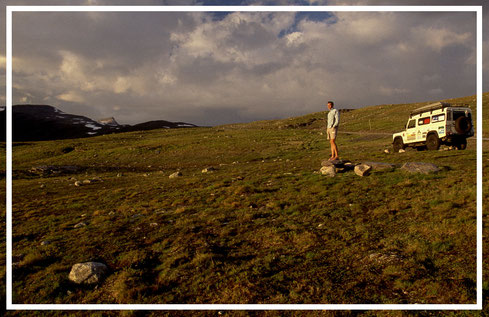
{"type": "Point", "coordinates": [81, 225]}
{"type": "Point", "coordinates": [87, 273]}
{"type": "Point", "coordinates": [328, 170]}
{"type": "Point", "coordinates": [363, 169]}
{"type": "Point", "coordinates": [175, 175]}
{"type": "Point", "coordinates": [208, 170]}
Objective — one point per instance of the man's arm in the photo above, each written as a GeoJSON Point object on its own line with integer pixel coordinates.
{"type": "Point", "coordinates": [336, 118]}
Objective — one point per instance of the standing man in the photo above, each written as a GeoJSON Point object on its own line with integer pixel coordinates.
{"type": "Point", "coordinates": [332, 129]}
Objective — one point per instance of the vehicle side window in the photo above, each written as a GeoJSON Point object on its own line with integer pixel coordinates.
{"type": "Point", "coordinates": [438, 118]}
{"type": "Point", "coordinates": [424, 121]}
{"type": "Point", "coordinates": [411, 124]}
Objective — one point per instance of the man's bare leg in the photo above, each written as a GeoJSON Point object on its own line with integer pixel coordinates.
{"type": "Point", "coordinates": [334, 150]}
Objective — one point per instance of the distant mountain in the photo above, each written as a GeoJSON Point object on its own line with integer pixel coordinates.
{"type": "Point", "coordinates": [44, 122]}
{"type": "Point", "coordinates": [109, 121]}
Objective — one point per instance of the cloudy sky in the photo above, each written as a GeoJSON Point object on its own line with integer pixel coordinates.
{"type": "Point", "coordinates": [210, 69]}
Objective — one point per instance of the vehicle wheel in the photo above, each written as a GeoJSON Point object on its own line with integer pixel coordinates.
{"type": "Point", "coordinates": [432, 142]}
{"type": "Point", "coordinates": [462, 145]}
{"type": "Point", "coordinates": [463, 125]}
{"type": "Point", "coordinates": [398, 145]}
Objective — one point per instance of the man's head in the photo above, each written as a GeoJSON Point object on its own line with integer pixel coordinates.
{"type": "Point", "coordinates": [330, 105]}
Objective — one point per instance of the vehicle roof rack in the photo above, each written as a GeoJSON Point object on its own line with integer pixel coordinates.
{"type": "Point", "coordinates": [432, 107]}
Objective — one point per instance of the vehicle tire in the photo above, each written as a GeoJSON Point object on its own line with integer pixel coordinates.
{"type": "Point", "coordinates": [398, 145]}
{"type": "Point", "coordinates": [461, 145]}
{"type": "Point", "coordinates": [432, 142]}
{"type": "Point", "coordinates": [463, 125]}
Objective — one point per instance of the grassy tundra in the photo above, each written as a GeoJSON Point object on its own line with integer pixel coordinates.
{"type": "Point", "coordinates": [264, 227]}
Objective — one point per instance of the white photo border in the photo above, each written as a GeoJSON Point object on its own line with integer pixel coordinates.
{"type": "Point", "coordinates": [9, 13]}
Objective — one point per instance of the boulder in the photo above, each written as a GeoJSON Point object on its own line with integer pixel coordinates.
{"type": "Point", "coordinates": [328, 170]}
{"type": "Point", "coordinates": [363, 169]}
{"type": "Point", "coordinates": [87, 273]}
{"type": "Point", "coordinates": [380, 166]}
{"type": "Point", "coordinates": [419, 167]}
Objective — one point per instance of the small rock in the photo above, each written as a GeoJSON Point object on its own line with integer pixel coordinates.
{"type": "Point", "coordinates": [328, 170]}
{"type": "Point", "coordinates": [208, 170]}
{"type": "Point", "coordinates": [146, 174]}
{"type": "Point", "coordinates": [80, 225]}
{"type": "Point", "coordinates": [402, 151]}
{"type": "Point", "coordinates": [363, 170]}
{"type": "Point", "coordinates": [87, 273]}
{"type": "Point", "coordinates": [119, 175]}
{"type": "Point", "coordinates": [45, 242]}
{"type": "Point", "coordinates": [42, 186]}
{"type": "Point", "coordinates": [153, 224]}
{"type": "Point", "coordinates": [78, 183]}
{"type": "Point", "coordinates": [419, 167]}
{"type": "Point", "coordinates": [87, 181]}
{"type": "Point", "coordinates": [175, 175]}
{"type": "Point", "coordinates": [387, 151]}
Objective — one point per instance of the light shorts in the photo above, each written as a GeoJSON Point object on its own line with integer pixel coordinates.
{"type": "Point", "coordinates": [331, 133]}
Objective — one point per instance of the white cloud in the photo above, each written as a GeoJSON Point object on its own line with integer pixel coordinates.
{"type": "Point", "coordinates": [439, 38]}
{"type": "Point", "coordinates": [71, 96]}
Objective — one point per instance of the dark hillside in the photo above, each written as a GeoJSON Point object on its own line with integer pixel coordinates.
{"type": "Point", "coordinates": [44, 122]}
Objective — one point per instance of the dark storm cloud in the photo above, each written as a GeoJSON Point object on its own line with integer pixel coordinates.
{"type": "Point", "coordinates": [210, 69]}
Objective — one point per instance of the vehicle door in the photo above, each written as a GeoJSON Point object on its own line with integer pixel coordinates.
{"type": "Point", "coordinates": [411, 130]}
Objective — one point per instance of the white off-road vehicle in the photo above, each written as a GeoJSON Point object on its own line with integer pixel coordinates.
{"type": "Point", "coordinates": [439, 123]}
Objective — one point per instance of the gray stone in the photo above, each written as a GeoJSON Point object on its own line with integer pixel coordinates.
{"type": "Point", "coordinates": [380, 166]}
{"type": "Point", "coordinates": [328, 171]}
{"type": "Point", "coordinates": [175, 175]}
{"type": "Point", "coordinates": [363, 169]}
{"type": "Point", "coordinates": [419, 167]}
{"type": "Point", "coordinates": [87, 273]}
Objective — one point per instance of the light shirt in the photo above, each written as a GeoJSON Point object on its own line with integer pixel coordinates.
{"type": "Point", "coordinates": [333, 118]}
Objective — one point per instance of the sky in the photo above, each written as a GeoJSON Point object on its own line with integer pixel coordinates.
{"type": "Point", "coordinates": [211, 69]}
